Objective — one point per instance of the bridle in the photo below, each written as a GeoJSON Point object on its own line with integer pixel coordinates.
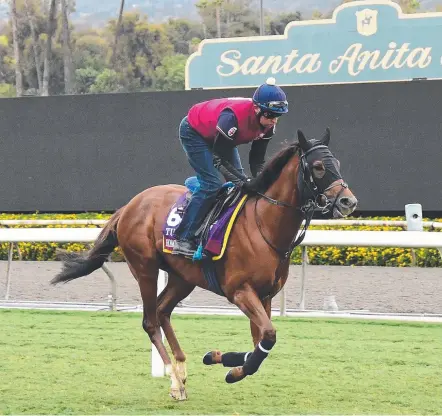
{"type": "Point", "coordinates": [309, 202]}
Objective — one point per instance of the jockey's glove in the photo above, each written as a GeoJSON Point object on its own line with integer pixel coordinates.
{"type": "Point", "coordinates": [229, 172]}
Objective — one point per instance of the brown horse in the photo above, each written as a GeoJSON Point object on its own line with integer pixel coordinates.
{"type": "Point", "coordinates": [301, 177]}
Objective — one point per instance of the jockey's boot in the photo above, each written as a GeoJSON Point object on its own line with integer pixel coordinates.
{"type": "Point", "coordinates": [185, 248]}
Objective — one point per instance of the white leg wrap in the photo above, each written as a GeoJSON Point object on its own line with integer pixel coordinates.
{"type": "Point", "coordinates": [262, 349]}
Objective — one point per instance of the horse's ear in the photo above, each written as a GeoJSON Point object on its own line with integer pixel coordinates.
{"type": "Point", "coordinates": [326, 137]}
{"type": "Point", "coordinates": [303, 141]}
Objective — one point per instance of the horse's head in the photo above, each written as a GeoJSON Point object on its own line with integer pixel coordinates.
{"type": "Point", "coordinates": [321, 179]}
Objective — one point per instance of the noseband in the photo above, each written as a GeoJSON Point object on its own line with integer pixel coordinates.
{"type": "Point", "coordinates": [310, 201]}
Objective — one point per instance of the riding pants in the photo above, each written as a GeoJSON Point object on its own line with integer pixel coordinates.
{"type": "Point", "coordinates": [200, 157]}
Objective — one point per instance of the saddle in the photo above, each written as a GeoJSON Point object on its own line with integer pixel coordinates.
{"type": "Point", "coordinates": [214, 232]}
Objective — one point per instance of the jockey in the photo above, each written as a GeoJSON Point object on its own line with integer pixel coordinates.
{"type": "Point", "coordinates": [210, 134]}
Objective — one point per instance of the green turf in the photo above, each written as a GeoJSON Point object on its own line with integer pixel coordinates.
{"type": "Point", "coordinates": [99, 363]}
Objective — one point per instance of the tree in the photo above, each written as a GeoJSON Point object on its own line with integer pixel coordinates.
{"type": "Point", "coordinates": [51, 26]}
{"type": "Point", "coordinates": [141, 48]}
{"type": "Point", "coordinates": [91, 50]}
{"type": "Point", "coordinates": [7, 65]}
{"type": "Point", "coordinates": [211, 8]}
{"type": "Point", "coordinates": [17, 54]}
{"type": "Point", "coordinates": [409, 6]}
{"type": "Point", "coordinates": [68, 65]}
{"type": "Point", "coordinates": [35, 47]}
{"type": "Point", "coordinates": [241, 18]}
{"type": "Point", "coordinates": [278, 24]}
{"type": "Point", "coordinates": [169, 76]}
{"type": "Point", "coordinates": [229, 17]}
{"type": "Point", "coordinates": [317, 15]}
{"type": "Point", "coordinates": [183, 34]}
{"type": "Point", "coordinates": [7, 91]}
{"type": "Point", "coordinates": [85, 78]}
{"type": "Point", "coordinates": [106, 82]}
{"type": "Point", "coordinates": [118, 31]}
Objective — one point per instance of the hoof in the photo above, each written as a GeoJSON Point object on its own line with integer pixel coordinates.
{"type": "Point", "coordinates": [178, 394]}
{"type": "Point", "coordinates": [212, 357]}
{"type": "Point", "coordinates": [234, 375]}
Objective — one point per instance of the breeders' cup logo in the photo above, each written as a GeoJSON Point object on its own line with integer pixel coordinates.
{"type": "Point", "coordinates": [367, 22]}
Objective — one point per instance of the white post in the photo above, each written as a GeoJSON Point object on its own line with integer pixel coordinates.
{"type": "Point", "coordinates": [158, 368]}
{"type": "Point", "coordinates": [8, 270]}
{"type": "Point", "coordinates": [112, 297]}
{"type": "Point", "coordinates": [283, 303]}
{"type": "Point", "coordinates": [413, 214]}
{"type": "Point", "coordinates": [304, 259]}
{"type": "Point", "coordinates": [330, 303]}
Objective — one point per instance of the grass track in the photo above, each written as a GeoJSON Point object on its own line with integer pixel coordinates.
{"type": "Point", "coordinates": [99, 363]}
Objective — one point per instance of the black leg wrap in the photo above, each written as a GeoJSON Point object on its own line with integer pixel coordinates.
{"type": "Point", "coordinates": [207, 359]}
{"type": "Point", "coordinates": [212, 357]}
{"type": "Point", "coordinates": [234, 359]}
{"type": "Point", "coordinates": [257, 357]}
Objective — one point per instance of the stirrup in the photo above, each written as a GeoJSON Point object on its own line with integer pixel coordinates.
{"type": "Point", "coordinates": [183, 251]}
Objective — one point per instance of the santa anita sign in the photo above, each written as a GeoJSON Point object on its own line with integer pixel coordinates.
{"type": "Point", "coordinates": [363, 42]}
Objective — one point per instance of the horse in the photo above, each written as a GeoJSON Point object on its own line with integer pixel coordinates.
{"type": "Point", "coordinates": [302, 177]}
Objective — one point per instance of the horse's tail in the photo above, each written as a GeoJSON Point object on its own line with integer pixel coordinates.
{"type": "Point", "coordinates": [76, 265]}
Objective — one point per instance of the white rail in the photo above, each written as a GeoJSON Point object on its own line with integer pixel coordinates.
{"type": "Point", "coordinates": [328, 223]}
{"type": "Point", "coordinates": [405, 239]}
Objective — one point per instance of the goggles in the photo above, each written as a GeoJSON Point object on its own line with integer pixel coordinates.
{"type": "Point", "coordinates": [276, 104]}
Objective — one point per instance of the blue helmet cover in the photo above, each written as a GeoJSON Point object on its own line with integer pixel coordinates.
{"type": "Point", "coordinates": [270, 97]}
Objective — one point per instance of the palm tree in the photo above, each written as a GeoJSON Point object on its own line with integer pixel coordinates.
{"type": "Point", "coordinates": [117, 31]}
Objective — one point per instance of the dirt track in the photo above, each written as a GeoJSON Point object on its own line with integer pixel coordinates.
{"type": "Point", "coordinates": [377, 289]}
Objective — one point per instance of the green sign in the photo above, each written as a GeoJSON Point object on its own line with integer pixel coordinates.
{"type": "Point", "coordinates": [364, 41]}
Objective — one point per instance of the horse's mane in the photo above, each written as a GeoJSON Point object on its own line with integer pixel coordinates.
{"type": "Point", "coordinates": [272, 169]}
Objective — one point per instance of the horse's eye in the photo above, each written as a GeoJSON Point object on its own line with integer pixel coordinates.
{"type": "Point", "coordinates": [318, 169]}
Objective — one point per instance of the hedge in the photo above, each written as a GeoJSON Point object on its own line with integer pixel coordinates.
{"type": "Point", "coordinates": [357, 256]}
{"type": "Point", "coordinates": [370, 256]}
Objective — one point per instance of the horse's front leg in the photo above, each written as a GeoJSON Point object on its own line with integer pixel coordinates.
{"type": "Point", "coordinates": [236, 359]}
{"type": "Point", "coordinates": [248, 301]}
{"type": "Point", "coordinates": [256, 334]}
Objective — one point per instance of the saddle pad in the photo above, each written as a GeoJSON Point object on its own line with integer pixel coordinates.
{"type": "Point", "coordinates": [220, 229]}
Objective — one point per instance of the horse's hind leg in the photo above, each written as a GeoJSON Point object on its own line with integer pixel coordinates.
{"type": "Point", "coordinates": [175, 291]}
{"type": "Point", "coordinates": [146, 274]}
